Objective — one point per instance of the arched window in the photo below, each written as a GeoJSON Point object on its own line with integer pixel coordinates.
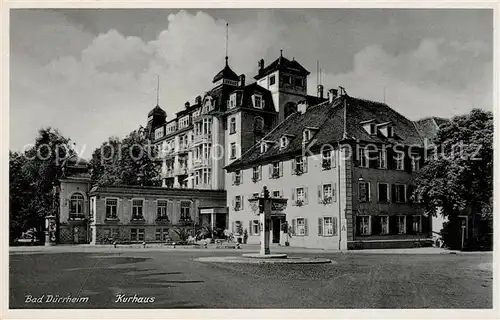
{"type": "Point", "coordinates": [258, 123]}
{"type": "Point", "coordinates": [76, 204]}
{"type": "Point", "coordinates": [232, 125]}
{"type": "Point", "coordinates": [290, 108]}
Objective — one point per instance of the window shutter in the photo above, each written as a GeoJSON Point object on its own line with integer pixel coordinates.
{"type": "Point", "coordinates": [233, 176]}
{"type": "Point", "coordinates": [409, 193]}
{"type": "Point", "coordinates": [233, 227]}
{"type": "Point", "coordinates": [270, 170]}
{"type": "Point", "coordinates": [293, 196]}
{"type": "Point", "coordinates": [320, 194]}
{"type": "Point", "coordinates": [242, 202]}
{"type": "Point", "coordinates": [376, 227]}
{"type": "Point", "coordinates": [390, 159]}
{"type": "Point", "coordinates": [170, 209]}
{"type": "Point", "coordinates": [334, 220]}
{"type": "Point", "coordinates": [393, 193]}
{"type": "Point", "coordinates": [393, 225]}
{"type": "Point", "coordinates": [305, 164]}
{"type": "Point", "coordinates": [294, 224]}
{"type": "Point", "coordinates": [334, 158]}
{"type": "Point", "coordinates": [320, 226]}
{"type": "Point", "coordinates": [368, 191]}
{"type": "Point", "coordinates": [294, 165]}
{"type": "Point", "coordinates": [358, 225]}
{"type": "Point", "coordinates": [407, 162]}
{"type": "Point", "coordinates": [306, 200]}
{"type": "Point", "coordinates": [281, 168]}
{"type": "Point", "coordinates": [234, 203]}
{"type": "Point", "coordinates": [260, 172]}
{"type": "Point", "coordinates": [409, 224]}
{"type": "Point", "coordinates": [334, 192]}
{"type": "Point", "coordinates": [306, 232]}
{"type": "Point", "coordinates": [250, 229]}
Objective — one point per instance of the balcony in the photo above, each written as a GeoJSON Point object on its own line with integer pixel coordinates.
{"type": "Point", "coordinates": [200, 163]}
{"type": "Point", "coordinates": [184, 148]}
{"type": "Point", "coordinates": [202, 138]}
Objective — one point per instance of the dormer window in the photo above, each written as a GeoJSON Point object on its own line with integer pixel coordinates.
{"type": "Point", "coordinates": [263, 147]}
{"type": "Point", "coordinates": [283, 142]}
{"type": "Point", "coordinates": [386, 129]}
{"type": "Point", "coordinates": [307, 135]}
{"type": "Point", "coordinates": [390, 132]}
{"type": "Point", "coordinates": [257, 101]}
{"type": "Point", "coordinates": [373, 128]}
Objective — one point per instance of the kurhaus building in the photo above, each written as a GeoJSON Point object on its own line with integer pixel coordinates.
{"type": "Point", "coordinates": [345, 165]}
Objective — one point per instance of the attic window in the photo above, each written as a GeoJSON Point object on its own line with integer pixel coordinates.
{"type": "Point", "coordinates": [232, 101]}
{"type": "Point", "coordinates": [263, 147]}
{"type": "Point", "coordinates": [257, 101]}
{"type": "Point", "coordinates": [283, 142]}
{"type": "Point", "coordinates": [373, 128]}
{"type": "Point", "coordinates": [390, 132]}
{"type": "Point", "coordinates": [307, 135]}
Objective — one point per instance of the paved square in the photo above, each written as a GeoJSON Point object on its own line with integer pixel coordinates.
{"type": "Point", "coordinates": [131, 278]}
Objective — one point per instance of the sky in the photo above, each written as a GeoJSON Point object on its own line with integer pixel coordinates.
{"type": "Point", "coordinates": [92, 73]}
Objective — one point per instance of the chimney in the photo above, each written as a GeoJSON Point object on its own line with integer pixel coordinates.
{"type": "Point", "coordinates": [187, 104]}
{"type": "Point", "coordinates": [302, 106]}
{"type": "Point", "coordinates": [197, 100]}
{"type": "Point", "coordinates": [242, 80]}
{"type": "Point", "coordinates": [332, 94]}
{"type": "Point", "coordinates": [342, 91]}
{"type": "Point", "coordinates": [320, 91]}
{"type": "Point", "coordinates": [261, 65]}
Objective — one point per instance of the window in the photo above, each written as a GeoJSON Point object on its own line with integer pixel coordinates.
{"type": "Point", "coordinates": [390, 132]}
{"type": "Point", "coordinates": [363, 158]}
{"type": "Point", "coordinates": [283, 142]}
{"type": "Point", "coordinates": [364, 192]}
{"type": "Point", "coordinates": [327, 226]}
{"type": "Point", "coordinates": [185, 211]}
{"type": "Point", "coordinates": [276, 194]}
{"type": "Point", "coordinates": [257, 173]}
{"type": "Point", "coordinates": [92, 208]}
{"type": "Point", "coordinates": [111, 208]}
{"type": "Point", "coordinates": [258, 124]}
{"type": "Point", "coordinates": [401, 222]}
{"type": "Point", "coordinates": [275, 170]}
{"type": "Point", "coordinates": [232, 101]}
{"type": "Point", "coordinates": [299, 165]}
{"type": "Point", "coordinates": [255, 229]}
{"type": "Point", "coordinates": [76, 205]}
{"type": "Point", "coordinates": [237, 203]}
{"type": "Point", "coordinates": [286, 79]}
{"type": "Point", "coordinates": [415, 162]}
{"type": "Point", "coordinates": [382, 159]}
{"type": "Point", "coordinates": [137, 206]}
{"type": "Point", "coordinates": [399, 193]}
{"type": "Point", "coordinates": [233, 150]}
{"type": "Point", "coordinates": [383, 192]}
{"type": "Point", "coordinates": [300, 195]}
{"type": "Point", "coordinates": [384, 225]}
{"type": "Point", "coordinates": [301, 227]}
{"type": "Point", "coordinates": [364, 225]}
{"type": "Point", "coordinates": [161, 234]}
{"type": "Point", "coordinates": [417, 224]}
{"type": "Point", "coordinates": [399, 160]}
{"type": "Point", "coordinates": [258, 103]}
{"type": "Point", "coordinates": [162, 209]}
{"type": "Point", "coordinates": [299, 82]}
{"type": "Point", "coordinates": [136, 234]}
{"type": "Point", "coordinates": [272, 80]}
{"type": "Point", "coordinates": [326, 193]}
{"type": "Point", "coordinates": [373, 128]}
{"type": "Point", "coordinates": [263, 147]}
{"type": "Point", "coordinates": [159, 133]}
{"type": "Point", "coordinates": [232, 125]}
{"type": "Point", "coordinates": [306, 135]}
{"type": "Point", "coordinates": [237, 177]}
{"type": "Point", "coordinates": [326, 158]}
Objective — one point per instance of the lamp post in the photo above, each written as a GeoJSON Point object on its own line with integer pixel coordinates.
{"type": "Point", "coordinates": [265, 212]}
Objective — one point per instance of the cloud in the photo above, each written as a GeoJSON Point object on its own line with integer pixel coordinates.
{"type": "Point", "coordinates": [429, 80]}
{"type": "Point", "coordinates": [104, 85]}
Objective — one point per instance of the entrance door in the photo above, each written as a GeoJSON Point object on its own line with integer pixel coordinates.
{"type": "Point", "coordinates": [75, 234]}
{"type": "Point", "coordinates": [276, 230]}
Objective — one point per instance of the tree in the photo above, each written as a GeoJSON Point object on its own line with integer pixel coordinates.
{"type": "Point", "coordinates": [132, 161]}
{"type": "Point", "coordinates": [458, 177]}
{"type": "Point", "coordinates": [33, 176]}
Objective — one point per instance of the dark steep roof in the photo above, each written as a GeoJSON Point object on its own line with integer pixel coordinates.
{"type": "Point", "coordinates": [157, 111]}
{"type": "Point", "coordinates": [246, 96]}
{"type": "Point", "coordinates": [329, 119]}
{"type": "Point", "coordinates": [280, 64]}
{"type": "Point", "coordinates": [226, 73]}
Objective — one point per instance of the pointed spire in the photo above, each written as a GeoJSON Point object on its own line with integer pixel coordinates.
{"type": "Point", "coordinates": [158, 90]}
{"type": "Point", "coordinates": [227, 42]}
{"type": "Point", "coordinates": [281, 56]}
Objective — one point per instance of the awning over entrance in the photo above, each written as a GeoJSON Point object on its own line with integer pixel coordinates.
{"type": "Point", "coordinates": [213, 210]}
